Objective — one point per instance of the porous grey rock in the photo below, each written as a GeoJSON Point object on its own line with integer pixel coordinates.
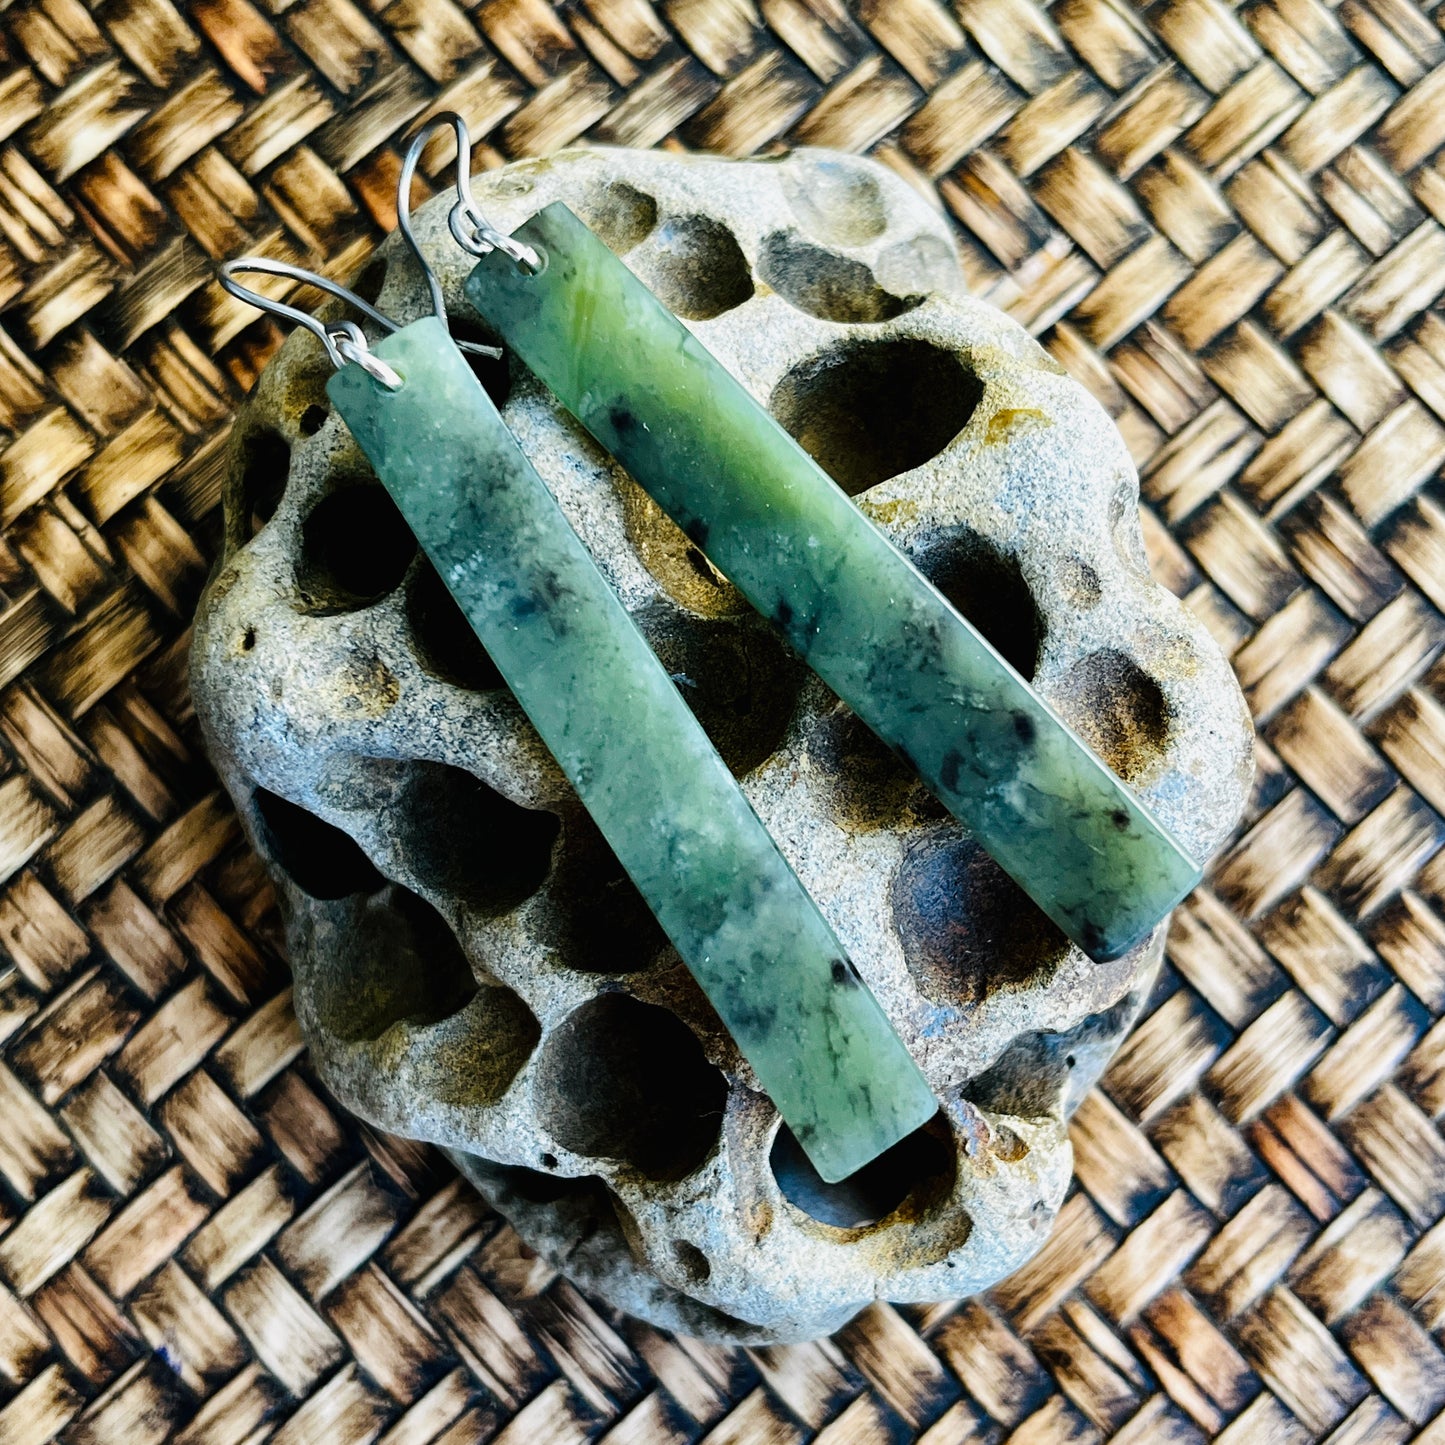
{"type": "Point", "coordinates": [473, 969]}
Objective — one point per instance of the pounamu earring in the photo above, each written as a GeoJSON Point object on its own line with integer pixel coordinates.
{"type": "Point", "coordinates": [601, 701]}
{"type": "Point", "coordinates": [1070, 833]}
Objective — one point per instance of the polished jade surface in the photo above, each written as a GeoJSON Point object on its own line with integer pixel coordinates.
{"type": "Point", "coordinates": [675, 816]}
{"type": "Point", "coordinates": [871, 626]}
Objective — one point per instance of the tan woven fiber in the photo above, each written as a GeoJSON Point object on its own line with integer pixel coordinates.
{"type": "Point", "coordinates": [1230, 224]}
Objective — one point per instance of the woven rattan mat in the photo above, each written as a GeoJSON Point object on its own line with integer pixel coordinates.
{"type": "Point", "coordinates": [1228, 223]}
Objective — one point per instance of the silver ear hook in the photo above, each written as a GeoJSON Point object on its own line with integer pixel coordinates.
{"type": "Point", "coordinates": [469, 227]}
{"type": "Point", "coordinates": [403, 204]}
{"type": "Point", "coordinates": [344, 340]}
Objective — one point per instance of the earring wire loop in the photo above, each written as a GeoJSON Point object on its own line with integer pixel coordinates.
{"type": "Point", "coordinates": [469, 227]}
{"type": "Point", "coordinates": [344, 340]}
{"type": "Point", "coordinates": [403, 202]}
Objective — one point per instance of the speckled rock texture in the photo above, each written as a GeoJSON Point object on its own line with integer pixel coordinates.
{"type": "Point", "coordinates": [473, 968]}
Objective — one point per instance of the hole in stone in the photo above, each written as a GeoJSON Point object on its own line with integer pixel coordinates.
{"type": "Point", "coordinates": [917, 1171]}
{"type": "Point", "coordinates": [621, 215]}
{"type": "Point", "coordinates": [624, 1080]}
{"type": "Point", "coordinates": [835, 200]}
{"type": "Point", "coordinates": [476, 1052]}
{"type": "Point", "coordinates": [355, 549]}
{"type": "Point", "coordinates": [318, 858]}
{"type": "Point", "coordinates": [700, 564]}
{"type": "Point", "coordinates": [1118, 709]}
{"type": "Point", "coordinates": [491, 371]}
{"type": "Point", "coordinates": [869, 410]}
{"type": "Point", "coordinates": [248, 639]}
{"type": "Point", "coordinates": [303, 401]}
{"type": "Point", "coordinates": [576, 1215]}
{"type": "Point", "coordinates": [537, 1188]}
{"type": "Point", "coordinates": [368, 285]}
{"type": "Point", "coordinates": [678, 564]}
{"type": "Point", "coordinates": [968, 930]}
{"type": "Point", "coordinates": [1007, 1144]}
{"type": "Point", "coordinates": [403, 964]}
{"type": "Point", "coordinates": [601, 923]}
{"type": "Point", "coordinates": [1046, 1073]}
{"type": "Point", "coordinates": [549, 1161]}
{"type": "Point", "coordinates": [987, 586]}
{"type": "Point", "coordinates": [693, 1262]}
{"type": "Point", "coordinates": [469, 842]}
{"type": "Point", "coordinates": [264, 458]}
{"type": "Point", "coordinates": [825, 284]}
{"type": "Point", "coordinates": [697, 269]}
{"type": "Point", "coordinates": [739, 680]}
{"type": "Point", "coordinates": [876, 786]}
{"type": "Point", "coordinates": [576, 1212]}
{"type": "Point", "coordinates": [516, 1183]}
{"type": "Point", "coordinates": [446, 646]}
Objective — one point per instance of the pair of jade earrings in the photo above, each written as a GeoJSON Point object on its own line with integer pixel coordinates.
{"type": "Point", "coordinates": [842, 595]}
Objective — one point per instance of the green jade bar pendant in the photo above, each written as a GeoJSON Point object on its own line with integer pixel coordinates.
{"type": "Point", "coordinates": [868, 623]}
{"type": "Point", "coordinates": [604, 705]}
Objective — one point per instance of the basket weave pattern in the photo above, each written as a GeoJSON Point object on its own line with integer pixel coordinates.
{"type": "Point", "coordinates": [1230, 224]}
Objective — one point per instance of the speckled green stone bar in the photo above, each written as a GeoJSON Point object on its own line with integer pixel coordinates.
{"type": "Point", "coordinates": [881, 636]}
{"type": "Point", "coordinates": [663, 798]}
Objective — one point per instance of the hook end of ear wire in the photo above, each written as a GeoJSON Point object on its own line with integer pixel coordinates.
{"type": "Point", "coordinates": [475, 348]}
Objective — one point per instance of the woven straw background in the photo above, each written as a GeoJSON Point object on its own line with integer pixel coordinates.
{"type": "Point", "coordinates": [1230, 224]}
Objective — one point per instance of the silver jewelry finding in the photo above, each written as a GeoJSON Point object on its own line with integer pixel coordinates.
{"type": "Point", "coordinates": [344, 340]}
{"type": "Point", "coordinates": [354, 349]}
{"type": "Point", "coordinates": [469, 227]}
